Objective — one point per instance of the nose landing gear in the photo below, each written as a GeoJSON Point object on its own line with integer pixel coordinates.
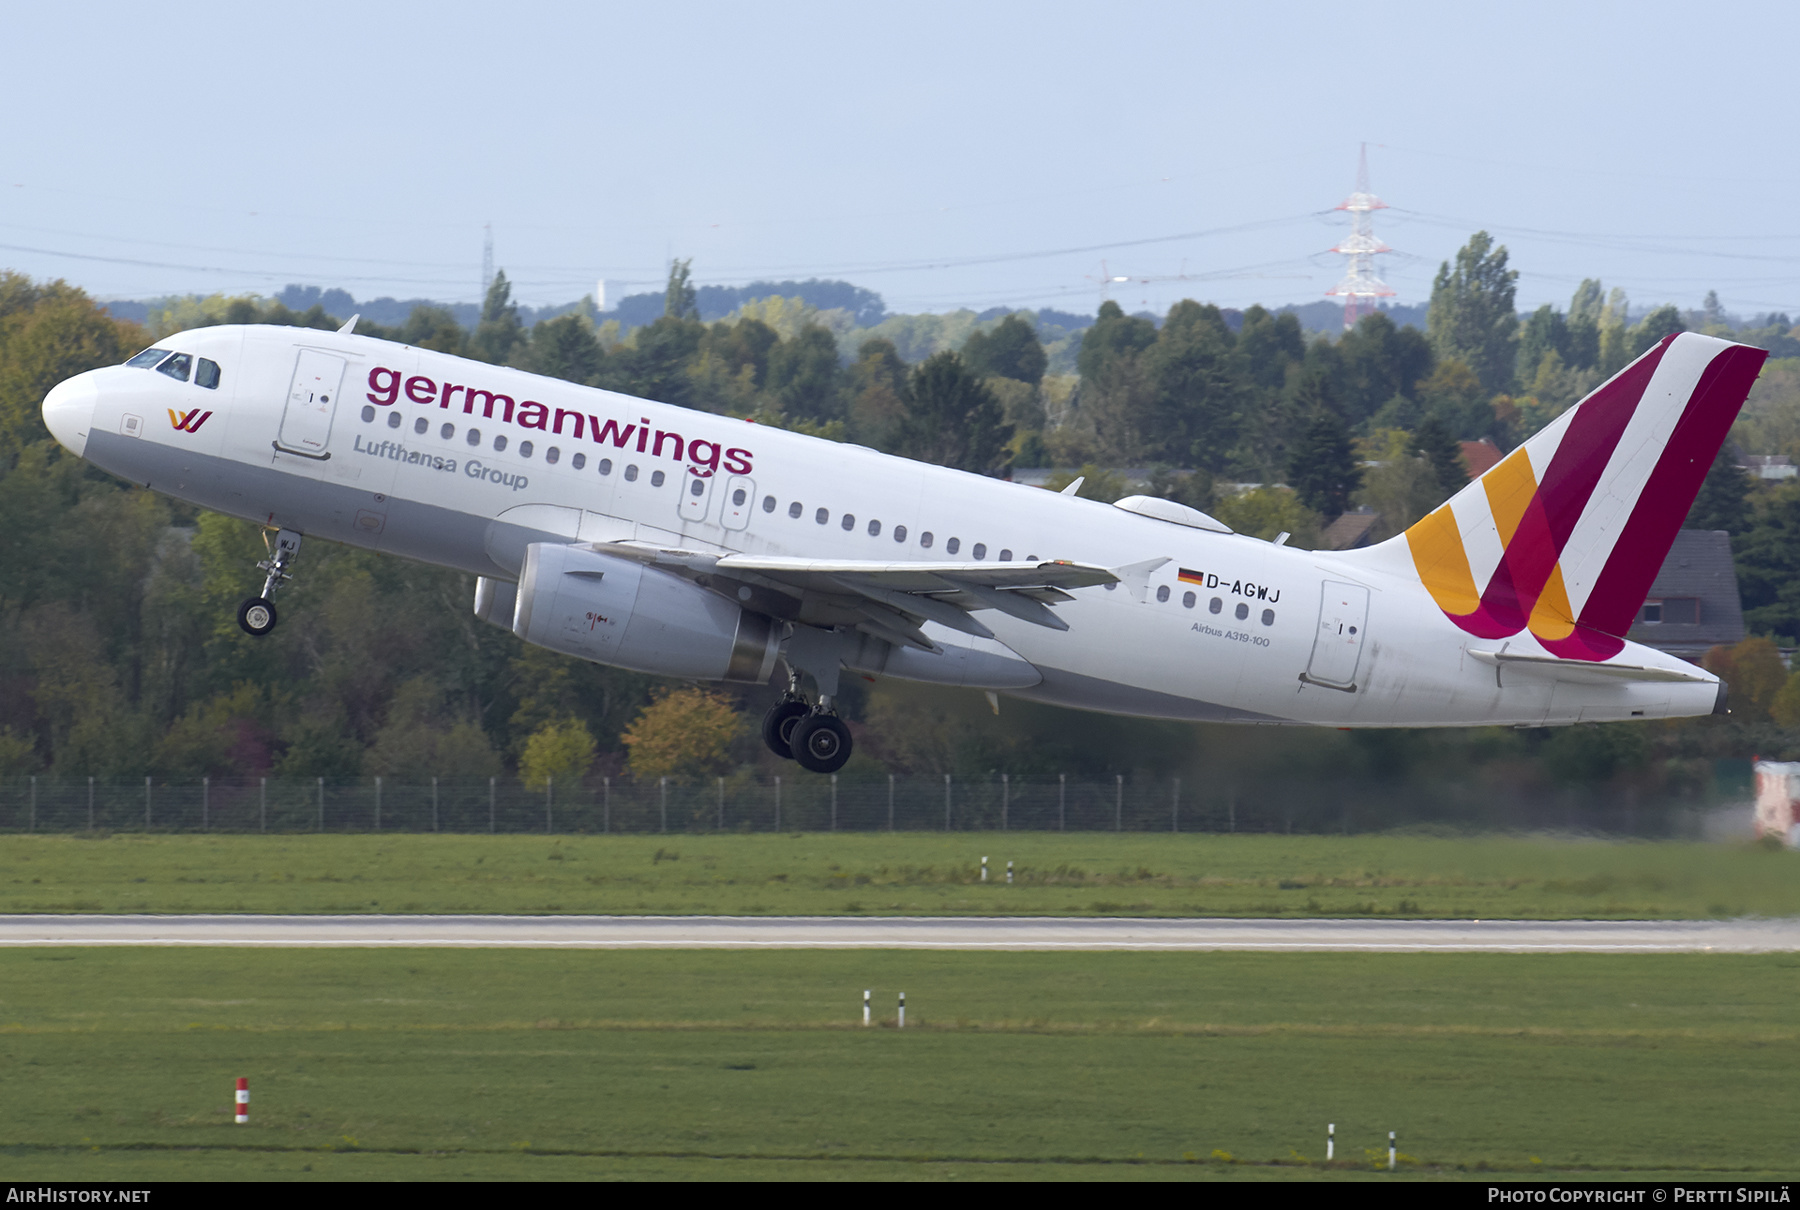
{"type": "Point", "coordinates": [257, 614]}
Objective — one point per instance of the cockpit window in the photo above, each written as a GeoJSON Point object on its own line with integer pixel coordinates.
{"type": "Point", "coordinates": [177, 366]}
{"type": "Point", "coordinates": [207, 374]}
{"type": "Point", "coordinates": [148, 358]}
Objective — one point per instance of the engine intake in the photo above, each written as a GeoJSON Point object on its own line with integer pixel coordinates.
{"type": "Point", "coordinates": [613, 611]}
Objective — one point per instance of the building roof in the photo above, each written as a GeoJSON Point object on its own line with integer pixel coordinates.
{"type": "Point", "coordinates": [1480, 456]}
{"type": "Point", "coordinates": [1349, 531]}
{"type": "Point", "coordinates": [1698, 567]}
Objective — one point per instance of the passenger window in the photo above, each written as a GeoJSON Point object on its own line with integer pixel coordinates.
{"type": "Point", "coordinates": [393, 420]}
{"type": "Point", "coordinates": [207, 375]}
{"type": "Point", "coordinates": [849, 522]}
{"type": "Point", "coordinates": [1242, 611]}
{"type": "Point", "coordinates": [606, 466]}
{"type": "Point", "coordinates": [368, 413]}
{"type": "Point", "coordinates": [952, 546]}
{"type": "Point", "coordinates": [552, 454]}
{"type": "Point", "coordinates": [473, 437]}
{"type": "Point", "coordinates": [578, 461]}
{"type": "Point", "coordinates": [148, 358]}
{"type": "Point", "coordinates": [698, 488]}
{"type": "Point", "coordinates": [822, 516]}
{"type": "Point", "coordinates": [794, 510]}
{"type": "Point", "coordinates": [925, 539]}
{"type": "Point", "coordinates": [656, 478]}
{"type": "Point", "coordinates": [899, 533]}
{"type": "Point", "coordinates": [874, 529]}
{"type": "Point", "coordinates": [524, 449]}
{"type": "Point", "coordinates": [500, 443]}
{"type": "Point", "coordinates": [177, 366]}
{"type": "Point", "coordinates": [1214, 605]}
{"type": "Point", "coordinates": [420, 425]}
{"type": "Point", "coordinates": [1268, 618]}
{"type": "Point", "coordinates": [768, 504]}
{"type": "Point", "coordinates": [447, 432]}
{"type": "Point", "coordinates": [738, 497]}
{"type": "Point", "coordinates": [1162, 594]}
{"type": "Point", "coordinates": [1006, 556]}
{"type": "Point", "coordinates": [1187, 600]}
{"type": "Point", "coordinates": [631, 473]}
{"type": "Point", "coordinates": [981, 550]}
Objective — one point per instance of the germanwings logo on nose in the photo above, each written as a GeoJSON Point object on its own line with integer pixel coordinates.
{"type": "Point", "coordinates": [189, 422]}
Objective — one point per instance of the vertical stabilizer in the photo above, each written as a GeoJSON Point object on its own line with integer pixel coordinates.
{"type": "Point", "coordinates": [1565, 535]}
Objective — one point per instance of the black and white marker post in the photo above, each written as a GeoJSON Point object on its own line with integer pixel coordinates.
{"type": "Point", "coordinates": [865, 1006]}
{"type": "Point", "coordinates": [1330, 1140]}
{"type": "Point", "coordinates": [984, 869]}
{"type": "Point", "coordinates": [1390, 1151]}
{"type": "Point", "coordinates": [902, 1024]}
{"type": "Point", "coordinates": [1009, 873]}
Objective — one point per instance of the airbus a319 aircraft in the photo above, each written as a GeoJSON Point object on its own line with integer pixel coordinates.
{"type": "Point", "coordinates": [691, 545]}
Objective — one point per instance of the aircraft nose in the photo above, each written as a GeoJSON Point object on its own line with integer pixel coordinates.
{"type": "Point", "coordinates": [69, 411]}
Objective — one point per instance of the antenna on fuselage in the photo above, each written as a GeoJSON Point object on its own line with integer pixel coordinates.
{"type": "Point", "coordinates": [349, 328]}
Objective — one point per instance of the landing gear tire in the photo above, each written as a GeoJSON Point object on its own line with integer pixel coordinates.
{"type": "Point", "coordinates": [778, 727]}
{"type": "Point", "coordinates": [821, 743]}
{"type": "Point", "coordinates": [257, 616]}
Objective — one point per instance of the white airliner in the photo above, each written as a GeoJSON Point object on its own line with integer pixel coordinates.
{"type": "Point", "coordinates": [691, 545]}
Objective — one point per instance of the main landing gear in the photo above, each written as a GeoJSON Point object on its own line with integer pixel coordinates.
{"type": "Point", "coordinates": [257, 614]}
{"type": "Point", "coordinates": [814, 737]}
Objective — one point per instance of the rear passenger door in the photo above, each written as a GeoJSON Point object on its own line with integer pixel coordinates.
{"type": "Point", "coordinates": [696, 495]}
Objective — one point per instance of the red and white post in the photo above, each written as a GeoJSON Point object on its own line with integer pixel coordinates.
{"type": "Point", "coordinates": [243, 1100]}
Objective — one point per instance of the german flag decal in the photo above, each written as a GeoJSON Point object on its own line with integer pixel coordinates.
{"type": "Point", "coordinates": [1191, 577]}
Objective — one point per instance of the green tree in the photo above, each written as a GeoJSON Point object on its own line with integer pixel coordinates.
{"type": "Point", "coordinates": [1011, 350]}
{"type": "Point", "coordinates": [953, 419]}
{"type": "Point", "coordinates": [1200, 389]}
{"type": "Point", "coordinates": [876, 385]}
{"type": "Point", "coordinates": [436, 329]}
{"type": "Point", "coordinates": [1324, 470]}
{"type": "Point", "coordinates": [1664, 321]}
{"type": "Point", "coordinates": [1268, 512]}
{"type": "Point", "coordinates": [566, 348]}
{"type": "Point", "coordinates": [1768, 563]}
{"type": "Point", "coordinates": [804, 376]}
{"type": "Point", "coordinates": [680, 300]}
{"type": "Point", "coordinates": [1270, 344]}
{"type": "Point", "coordinates": [1546, 332]}
{"type": "Point", "coordinates": [563, 749]}
{"type": "Point", "coordinates": [1724, 498]}
{"type": "Point", "coordinates": [1433, 442]}
{"type": "Point", "coordinates": [500, 330]}
{"type": "Point", "coordinates": [1375, 362]}
{"type": "Point", "coordinates": [47, 334]}
{"type": "Point", "coordinates": [1471, 316]}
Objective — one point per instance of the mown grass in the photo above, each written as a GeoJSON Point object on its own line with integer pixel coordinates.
{"type": "Point", "coordinates": [117, 1064]}
{"type": "Point", "coordinates": [900, 874]}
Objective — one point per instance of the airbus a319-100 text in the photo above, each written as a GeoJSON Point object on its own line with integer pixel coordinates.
{"type": "Point", "coordinates": [697, 546]}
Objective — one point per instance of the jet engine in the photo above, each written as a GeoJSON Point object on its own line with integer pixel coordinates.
{"type": "Point", "coordinates": [613, 611]}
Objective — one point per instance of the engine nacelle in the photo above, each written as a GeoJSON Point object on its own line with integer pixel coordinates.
{"type": "Point", "coordinates": [613, 611]}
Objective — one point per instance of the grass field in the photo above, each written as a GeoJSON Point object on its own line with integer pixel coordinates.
{"type": "Point", "coordinates": [900, 873]}
{"type": "Point", "coordinates": [118, 1064]}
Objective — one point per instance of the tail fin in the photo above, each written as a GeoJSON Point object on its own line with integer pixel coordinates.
{"type": "Point", "coordinates": [1565, 535]}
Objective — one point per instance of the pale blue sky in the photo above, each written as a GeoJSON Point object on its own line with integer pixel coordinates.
{"type": "Point", "coordinates": [240, 147]}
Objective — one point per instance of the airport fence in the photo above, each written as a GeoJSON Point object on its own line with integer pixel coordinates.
{"type": "Point", "coordinates": [811, 803]}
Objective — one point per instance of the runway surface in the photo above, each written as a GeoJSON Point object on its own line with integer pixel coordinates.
{"type": "Point", "coordinates": [942, 933]}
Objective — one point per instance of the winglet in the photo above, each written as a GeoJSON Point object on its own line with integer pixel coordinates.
{"type": "Point", "coordinates": [349, 328]}
{"type": "Point", "coordinates": [1136, 577]}
{"type": "Point", "coordinates": [1073, 487]}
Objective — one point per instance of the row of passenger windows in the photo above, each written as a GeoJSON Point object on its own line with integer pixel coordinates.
{"type": "Point", "coordinates": [178, 366]}
{"type": "Point", "coordinates": [524, 449]}
{"type": "Point", "coordinates": [847, 522]}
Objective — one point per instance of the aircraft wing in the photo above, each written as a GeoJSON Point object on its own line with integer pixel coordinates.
{"type": "Point", "coordinates": [1584, 671]}
{"type": "Point", "coordinates": [887, 599]}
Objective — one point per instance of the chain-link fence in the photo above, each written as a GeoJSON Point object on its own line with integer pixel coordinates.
{"type": "Point", "coordinates": [814, 804]}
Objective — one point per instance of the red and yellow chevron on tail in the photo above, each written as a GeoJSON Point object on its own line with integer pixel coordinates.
{"type": "Point", "coordinates": [1564, 536]}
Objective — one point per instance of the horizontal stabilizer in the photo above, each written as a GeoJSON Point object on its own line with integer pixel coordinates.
{"type": "Point", "coordinates": [1587, 672]}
